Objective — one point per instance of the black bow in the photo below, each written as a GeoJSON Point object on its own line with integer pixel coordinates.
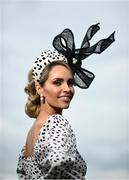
{"type": "Point", "coordinates": [64, 43]}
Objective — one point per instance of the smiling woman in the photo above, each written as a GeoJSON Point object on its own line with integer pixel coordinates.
{"type": "Point", "coordinates": [50, 151]}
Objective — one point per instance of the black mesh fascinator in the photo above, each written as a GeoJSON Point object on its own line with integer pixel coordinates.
{"type": "Point", "coordinates": [64, 44]}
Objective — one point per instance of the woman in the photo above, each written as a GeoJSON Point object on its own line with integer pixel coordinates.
{"type": "Point", "coordinates": [50, 151]}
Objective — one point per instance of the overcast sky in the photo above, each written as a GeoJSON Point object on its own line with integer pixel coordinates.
{"type": "Point", "coordinates": [98, 115]}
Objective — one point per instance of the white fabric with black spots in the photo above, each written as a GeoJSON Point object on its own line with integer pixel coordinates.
{"type": "Point", "coordinates": [55, 155]}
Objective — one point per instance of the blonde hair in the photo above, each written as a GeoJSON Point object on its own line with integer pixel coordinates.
{"type": "Point", "coordinates": [33, 105]}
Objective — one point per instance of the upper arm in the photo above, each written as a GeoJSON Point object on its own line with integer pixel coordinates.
{"type": "Point", "coordinates": [59, 150]}
{"type": "Point", "coordinates": [61, 141]}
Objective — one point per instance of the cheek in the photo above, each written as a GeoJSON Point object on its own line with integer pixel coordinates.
{"type": "Point", "coordinates": [51, 94]}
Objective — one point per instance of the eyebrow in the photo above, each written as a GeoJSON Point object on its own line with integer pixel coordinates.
{"type": "Point", "coordinates": [61, 79]}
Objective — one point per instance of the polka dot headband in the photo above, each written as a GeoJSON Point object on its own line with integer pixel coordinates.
{"type": "Point", "coordinates": [42, 61]}
{"type": "Point", "coordinates": [65, 51]}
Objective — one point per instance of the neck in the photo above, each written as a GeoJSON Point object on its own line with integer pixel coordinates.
{"type": "Point", "coordinates": [50, 110]}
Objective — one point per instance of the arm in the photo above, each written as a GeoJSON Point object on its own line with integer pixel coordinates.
{"type": "Point", "coordinates": [59, 151]}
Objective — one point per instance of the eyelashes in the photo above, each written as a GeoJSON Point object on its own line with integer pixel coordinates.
{"type": "Point", "coordinates": [59, 82]}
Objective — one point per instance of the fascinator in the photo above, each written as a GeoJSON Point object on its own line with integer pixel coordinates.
{"type": "Point", "coordinates": [65, 51]}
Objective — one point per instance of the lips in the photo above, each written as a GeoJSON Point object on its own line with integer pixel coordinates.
{"type": "Point", "coordinates": [66, 98]}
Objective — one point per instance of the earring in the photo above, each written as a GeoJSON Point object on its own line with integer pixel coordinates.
{"type": "Point", "coordinates": [42, 100]}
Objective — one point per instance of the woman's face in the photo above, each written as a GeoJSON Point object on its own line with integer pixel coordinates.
{"type": "Point", "coordinates": [58, 89]}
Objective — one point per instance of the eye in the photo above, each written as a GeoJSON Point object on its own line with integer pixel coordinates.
{"type": "Point", "coordinates": [70, 82]}
{"type": "Point", "coordinates": [57, 82]}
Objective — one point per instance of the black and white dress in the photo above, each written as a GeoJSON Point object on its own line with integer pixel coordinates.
{"type": "Point", "coordinates": [55, 155]}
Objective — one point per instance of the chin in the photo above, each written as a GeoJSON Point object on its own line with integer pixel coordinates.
{"type": "Point", "coordinates": [66, 106]}
{"type": "Point", "coordinates": [63, 105]}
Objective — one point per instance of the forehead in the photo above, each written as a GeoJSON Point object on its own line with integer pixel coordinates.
{"type": "Point", "coordinates": [60, 71]}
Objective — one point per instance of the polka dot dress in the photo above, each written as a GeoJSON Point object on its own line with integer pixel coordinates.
{"type": "Point", "coordinates": [55, 155]}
